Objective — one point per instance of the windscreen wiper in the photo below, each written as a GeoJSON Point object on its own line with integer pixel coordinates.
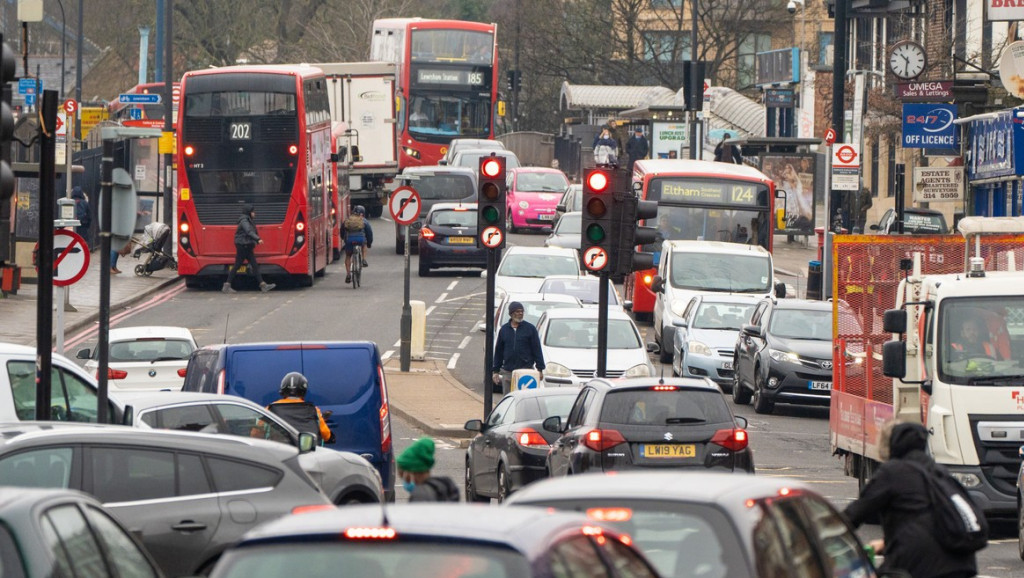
{"type": "Point", "coordinates": [684, 420]}
{"type": "Point", "coordinates": [994, 379]}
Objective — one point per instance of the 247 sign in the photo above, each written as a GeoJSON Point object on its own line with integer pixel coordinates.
{"type": "Point", "coordinates": [930, 126]}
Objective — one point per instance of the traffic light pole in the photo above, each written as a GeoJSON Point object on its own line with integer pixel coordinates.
{"type": "Point", "coordinates": [602, 325]}
{"type": "Point", "coordinates": [406, 322]}
{"type": "Point", "coordinates": [489, 332]}
{"type": "Point", "coordinates": [44, 305]}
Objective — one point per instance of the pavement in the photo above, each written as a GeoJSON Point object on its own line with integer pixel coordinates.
{"type": "Point", "coordinates": [428, 396]}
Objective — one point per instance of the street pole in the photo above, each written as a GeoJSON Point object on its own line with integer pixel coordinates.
{"type": "Point", "coordinates": [692, 114]}
{"type": "Point", "coordinates": [489, 333]}
{"type": "Point", "coordinates": [103, 334]}
{"type": "Point", "coordinates": [168, 73]}
{"type": "Point", "coordinates": [44, 305]}
{"type": "Point", "coordinates": [515, 75]}
{"type": "Point", "coordinates": [602, 324]}
{"type": "Point", "coordinates": [78, 72]}
{"type": "Point", "coordinates": [839, 64]}
{"type": "Point", "coordinates": [406, 324]}
{"type": "Point", "coordinates": [63, 46]}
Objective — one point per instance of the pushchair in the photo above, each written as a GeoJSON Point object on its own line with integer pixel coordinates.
{"type": "Point", "coordinates": [156, 242]}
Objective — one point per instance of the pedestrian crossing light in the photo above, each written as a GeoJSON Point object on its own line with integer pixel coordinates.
{"type": "Point", "coordinates": [491, 208]}
{"type": "Point", "coordinates": [7, 71]}
{"type": "Point", "coordinates": [597, 222]}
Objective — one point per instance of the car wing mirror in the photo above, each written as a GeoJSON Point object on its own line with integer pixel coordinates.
{"type": "Point", "coordinates": [307, 442]}
{"type": "Point", "coordinates": [82, 354]}
{"type": "Point", "coordinates": [552, 424]}
{"type": "Point", "coordinates": [627, 305]}
{"type": "Point", "coordinates": [780, 290]}
{"type": "Point", "coordinates": [741, 421]}
{"type": "Point", "coordinates": [751, 330]}
{"type": "Point", "coordinates": [653, 347]}
{"type": "Point", "coordinates": [474, 425]}
{"type": "Point", "coordinates": [658, 284]}
{"type": "Point", "coordinates": [129, 415]}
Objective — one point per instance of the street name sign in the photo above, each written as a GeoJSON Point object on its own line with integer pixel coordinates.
{"type": "Point", "coordinates": [150, 98]}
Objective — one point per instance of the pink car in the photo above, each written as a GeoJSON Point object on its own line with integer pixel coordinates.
{"type": "Point", "coordinates": [533, 193]}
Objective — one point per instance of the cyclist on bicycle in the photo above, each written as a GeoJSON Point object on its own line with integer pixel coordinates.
{"type": "Point", "coordinates": [357, 231]}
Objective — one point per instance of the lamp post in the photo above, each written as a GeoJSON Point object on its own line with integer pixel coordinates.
{"type": "Point", "coordinates": [63, 44]}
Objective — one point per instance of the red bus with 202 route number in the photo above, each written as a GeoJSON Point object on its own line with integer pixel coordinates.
{"type": "Point", "coordinates": [257, 135]}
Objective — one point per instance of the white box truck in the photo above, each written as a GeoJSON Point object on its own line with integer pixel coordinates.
{"type": "Point", "coordinates": [362, 95]}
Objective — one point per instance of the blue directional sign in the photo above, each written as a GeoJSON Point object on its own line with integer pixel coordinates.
{"type": "Point", "coordinates": [135, 114]}
{"type": "Point", "coordinates": [27, 85]}
{"type": "Point", "coordinates": [526, 382]}
{"type": "Point", "coordinates": [30, 99]}
{"type": "Point", "coordinates": [138, 98]}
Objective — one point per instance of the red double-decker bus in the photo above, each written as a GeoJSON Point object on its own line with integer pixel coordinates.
{"type": "Point", "coordinates": [147, 115]}
{"type": "Point", "coordinates": [701, 200]}
{"type": "Point", "coordinates": [258, 135]}
{"type": "Point", "coordinates": [447, 82]}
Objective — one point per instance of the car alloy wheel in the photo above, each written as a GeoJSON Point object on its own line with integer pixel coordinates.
{"type": "Point", "coordinates": [677, 363]}
{"type": "Point", "coordinates": [1020, 533]}
{"type": "Point", "coordinates": [471, 495]}
{"type": "Point", "coordinates": [504, 488]}
{"type": "Point", "coordinates": [761, 403]}
{"type": "Point", "coordinates": [740, 394]}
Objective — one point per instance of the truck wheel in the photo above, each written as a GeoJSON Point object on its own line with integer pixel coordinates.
{"type": "Point", "coordinates": [375, 211]}
{"type": "Point", "coordinates": [866, 472]}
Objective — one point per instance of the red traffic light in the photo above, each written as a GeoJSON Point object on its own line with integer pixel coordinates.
{"type": "Point", "coordinates": [597, 181]}
{"type": "Point", "coordinates": [491, 168]}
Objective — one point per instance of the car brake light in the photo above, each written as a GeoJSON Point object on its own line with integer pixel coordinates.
{"type": "Point", "coordinates": [528, 437]}
{"type": "Point", "coordinates": [181, 372]}
{"type": "Point", "coordinates": [731, 439]}
{"type": "Point", "coordinates": [664, 388]}
{"type": "Point", "coordinates": [610, 514]}
{"type": "Point", "coordinates": [427, 234]}
{"type": "Point", "coordinates": [370, 533]}
{"type": "Point", "coordinates": [385, 410]}
{"type": "Point", "coordinates": [312, 508]}
{"type": "Point", "coordinates": [592, 530]}
{"type": "Point", "coordinates": [116, 373]}
{"type": "Point", "coordinates": [600, 440]}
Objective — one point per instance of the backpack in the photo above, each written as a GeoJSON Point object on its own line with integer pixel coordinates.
{"type": "Point", "coordinates": [444, 488]}
{"type": "Point", "coordinates": [354, 223]}
{"type": "Point", "coordinates": [300, 415]}
{"type": "Point", "coordinates": [961, 527]}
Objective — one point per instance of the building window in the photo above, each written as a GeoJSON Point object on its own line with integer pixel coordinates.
{"type": "Point", "coordinates": [656, 4]}
{"type": "Point", "coordinates": [826, 42]}
{"type": "Point", "coordinates": [666, 46]}
{"type": "Point", "coordinates": [746, 57]}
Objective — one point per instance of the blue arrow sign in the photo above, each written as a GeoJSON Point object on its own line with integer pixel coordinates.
{"type": "Point", "coordinates": [30, 99]}
{"type": "Point", "coordinates": [526, 382]}
{"type": "Point", "coordinates": [138, 98]}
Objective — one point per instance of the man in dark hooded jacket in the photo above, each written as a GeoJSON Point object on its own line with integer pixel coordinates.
{"type": "Point", "coordinates": [897, 494]}
{"type": "Point", "coordinates": [246, 239]}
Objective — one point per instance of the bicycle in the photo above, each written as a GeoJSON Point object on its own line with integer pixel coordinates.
{"type": "Point", "coordinates": [357, 263]}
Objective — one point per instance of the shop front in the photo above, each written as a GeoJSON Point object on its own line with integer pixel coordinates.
{"type": "Point", "coordinates": [995, 163]}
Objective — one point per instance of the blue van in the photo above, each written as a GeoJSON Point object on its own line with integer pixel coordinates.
{"type": "Point", "coordinates": [346, 378]}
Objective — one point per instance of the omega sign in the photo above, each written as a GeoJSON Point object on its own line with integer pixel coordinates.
{"type": "Point", "coordinates": [941, 91]}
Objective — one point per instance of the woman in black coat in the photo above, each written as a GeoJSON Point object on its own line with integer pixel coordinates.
{"type": "Point", "coordinates": [897, 494]}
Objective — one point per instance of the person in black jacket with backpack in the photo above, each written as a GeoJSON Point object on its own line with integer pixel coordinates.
{"type": "Point", "coordinates": [246, 239]}
{"type": "Point", "coordinates": [898, 494]}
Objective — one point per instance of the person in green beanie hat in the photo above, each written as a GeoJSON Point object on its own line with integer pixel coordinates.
{"type": "Point", "coordinates": [414, 465]}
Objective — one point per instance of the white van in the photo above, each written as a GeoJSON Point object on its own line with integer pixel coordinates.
{"type": "Point", "coordinates": [687, 268]}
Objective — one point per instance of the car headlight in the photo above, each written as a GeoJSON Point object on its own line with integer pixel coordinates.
{"type": "Point", "coordinates": [678, 306]}
{"type": "Point", "coordinates": [781, 356]}
{"type": "Point", "coordinates": [698, 348]}
{"type": "Point", "coordinates": [642, 370]}
{"type": "Point", "coordinates": [557, 370]}
{"type": "Point", "coordinates": [524, 205]}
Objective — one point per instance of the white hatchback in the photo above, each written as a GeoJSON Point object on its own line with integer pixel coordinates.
{"type": "Point", "coordinates": [568, 339]}
{"type": "Point", "coordinates": [523, 269]}
{"type": "Point", "coordinates": [147, 358]}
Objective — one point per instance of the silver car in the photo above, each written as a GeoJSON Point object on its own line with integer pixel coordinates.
{"type": "Point", "coordinates": [705, 337]}
{"type": "Point", "coordinates": [345, 477]}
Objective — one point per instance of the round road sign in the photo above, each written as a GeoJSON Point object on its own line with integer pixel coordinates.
{"type": "Point", "coordinates": [491, 237]}
{"type": "Point", "coordinates": [70, 257]}
{"type": "Point", "coordinates": [830, 136]}
{"type": "Point", "coordinates": [70, 106]}
{"type": "Point", "coordinates": [846, 154]}
{"type": "Point", "coordinates": [595, 258]}
{"type": "Point", "coordinates": [405, 205]}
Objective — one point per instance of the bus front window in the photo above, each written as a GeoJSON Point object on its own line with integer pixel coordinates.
{"type": "Point", "coordinates": [701, 223]}
{"type": "Point", "coordinates": [442, 118]}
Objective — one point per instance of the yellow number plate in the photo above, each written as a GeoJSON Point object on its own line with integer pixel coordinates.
{"type": "Point", "coordinates": [668, 451]}
{"type": "Point", "coordinates": [461, 240]}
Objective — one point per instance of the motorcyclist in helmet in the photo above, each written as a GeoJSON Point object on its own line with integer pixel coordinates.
{"type": "Point", "coordinates": [294, 409]}
{"type": "Point", "coordinates": [356, 229]}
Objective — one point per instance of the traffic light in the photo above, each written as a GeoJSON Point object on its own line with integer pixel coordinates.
{"type": "Point", "coordinates": [7, 66]}
{"type": "Point", "coordinates": [631, 210]}
{"type": "Point", "coordinates": [598, 224]}
{"type": "Point", "coordinates": [490, 216]}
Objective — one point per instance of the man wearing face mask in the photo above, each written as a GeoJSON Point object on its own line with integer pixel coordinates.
{"type": "Point", "coordinates": [517, 347]}
{"type": "Point", "coordinates": [414, 465]}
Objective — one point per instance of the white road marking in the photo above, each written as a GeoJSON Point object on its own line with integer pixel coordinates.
{"type": "Point", "coordinates": [464, 343]}
{"type": "Point", "coordinates": [429, 310]}
{"type": "Point", "coordinates": [461, 297]}
{"type": "Point", "coordinates": [441, 298]}
{"type": "Point", "coordinates": [453, 360]}
{"type": "Point", "coordinates": [387, 355]}
{"type": "Point", "coordinates": [452, 285]}
{"type": "Point", "coordinates": [397, 343]}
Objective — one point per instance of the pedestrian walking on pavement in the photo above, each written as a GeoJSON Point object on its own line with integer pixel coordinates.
{"type": "Point", "coordinates": [246, 239]}
{"type": "Point", "coordinates": [517, 347]}
{"type": "Point", "coordinates": [728, 152]}
{"type": "Point", "coordinates": [82, 213]}
{"type": "Point", "coordinates": [414, 465]}
{"type": "Point", "coordinates": [898, 495]}
{"type": "Point", "coordinates": [636, 147]}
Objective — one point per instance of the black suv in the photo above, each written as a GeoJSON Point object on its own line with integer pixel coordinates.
{"type": "Point", "coordinates": [649, 423]}
{"type": "Point", "coordinates": [915, 222]}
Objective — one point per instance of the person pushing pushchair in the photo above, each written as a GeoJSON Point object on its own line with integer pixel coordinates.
{"type": "Point", "coordinates": [156, 241]}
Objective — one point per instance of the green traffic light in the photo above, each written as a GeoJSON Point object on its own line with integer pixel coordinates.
{"type": "Point", "coordinates": [595, 233]}
{"type": "Point", "coordinates": [490, 215]}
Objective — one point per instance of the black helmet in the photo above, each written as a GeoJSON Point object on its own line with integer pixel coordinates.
{"type": "Point", "coordinates": [294, 385]}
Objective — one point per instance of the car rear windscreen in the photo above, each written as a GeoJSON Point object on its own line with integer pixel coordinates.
{"type": "Point", "coordinates": [453, 218]}
{"type": "Point", "coordinates": [661, 408]}
{"type": "Point", "coordinates": [201, 374]}
{"type": "Point", "coordinates": [582, 334]}
{"type": "Point", "coordinates": [149, 350]}
{"type": "Point", "coordinates": [926, 224]}
{"type": "Point", "coordinates": [369, 559]}
{"type": "Point", "coordinates": [445, 187]}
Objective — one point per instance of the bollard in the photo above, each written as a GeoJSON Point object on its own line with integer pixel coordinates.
{"type": "Point", "coordinates": [418, 349]}
{"type": "Point", "coordinates": [525, 379]}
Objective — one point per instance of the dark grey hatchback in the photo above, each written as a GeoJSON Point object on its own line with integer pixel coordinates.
{"type": "Point", "coordinates": [649, 423]}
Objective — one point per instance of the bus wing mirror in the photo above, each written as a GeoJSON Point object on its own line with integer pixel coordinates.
{"type": "Point", "coordinates": [894, 359]}
{"type": "Point", "coordinates": [334, 157]}
{"type": "Point", "coordinates": [780, 290]}
{"type": "Point", "coordinates": [356, 157]}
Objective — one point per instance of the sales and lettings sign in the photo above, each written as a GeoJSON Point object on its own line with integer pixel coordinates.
{"type": "Point", "coordinates": [933, 91]}
{"type": "Point", "coordinates": [930, 126]}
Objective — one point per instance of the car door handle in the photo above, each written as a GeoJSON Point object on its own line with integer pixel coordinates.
{"type": "Point", "coordinates": [188, 526]}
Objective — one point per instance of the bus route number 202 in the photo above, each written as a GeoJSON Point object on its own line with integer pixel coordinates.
{"type": "Point", "coordinates": [241, 131]}
{"type": "Point", "coordinates": [742, 194]}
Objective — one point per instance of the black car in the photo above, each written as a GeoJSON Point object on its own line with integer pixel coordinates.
{"type": "Point", "coordinates": [434, 184]}
{"type": "Point", "coordinates": [915, 222]}
{"type": "Point", "coordinates": [448, 238]}
{"type": "Point", "coordinates": [434, 541]}
{"type": "Point", "coordinates": [707, 524]}
{"type": "Point", "coordinates": [511, 449]}
{"type": "Point", "coordinates": [45, 533]}
{"type": "Point", "coordinates": [649, 423]}
{"type": "Point", "coordinates": [784, 355]}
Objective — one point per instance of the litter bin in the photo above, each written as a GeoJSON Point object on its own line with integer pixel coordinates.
{"type": "Point", "coordinates": [814, 280]}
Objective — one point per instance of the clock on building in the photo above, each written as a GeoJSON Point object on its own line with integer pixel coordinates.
{"type": "Point", "coordinates": [907, 59]}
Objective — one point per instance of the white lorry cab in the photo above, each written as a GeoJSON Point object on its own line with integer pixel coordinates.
{"type": "Point", "coordinates": [957, 356]}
